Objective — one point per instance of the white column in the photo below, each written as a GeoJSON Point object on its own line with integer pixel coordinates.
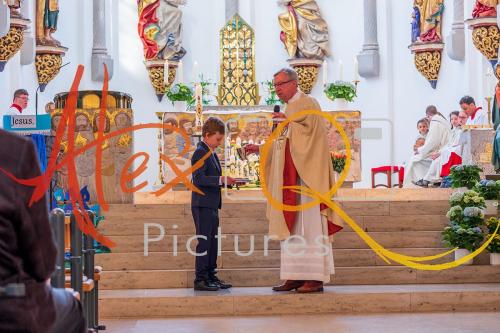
{"type": "Point", "coordinates": [369, 58]}
{"type": "Point", "coordinates": [232, 7]}
{"type": "Point", "coordinates": [28, 48]}
{"type": "Point", "coordinates": [455, 42]}
{"type": "Point", "coordinates": [99, 52]}
{"type": "Point", "coordinates": [4, 19]}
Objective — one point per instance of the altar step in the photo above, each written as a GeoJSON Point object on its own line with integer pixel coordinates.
{"type": "Point", "coordinates": [162, 303]}
{"type": "Point", "coordinates": [185, 260]}
{"type": "Point", "coordinates": [343, 240]}
{"type": "Point", "coordinates": [266, 277]}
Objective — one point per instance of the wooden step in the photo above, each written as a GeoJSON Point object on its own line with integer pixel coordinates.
{"type": "Point", "coordinates": [185, 225]}
{"type": "Point", "coordinates": [258, 209]}
{"type": "Point", "coordinates": [185, 260]}
{"type": "Point", "coordinates": [161, 303]}
{"type": "Point", "coordinates": [266, 277]}
{"type": "Point", "coordinates": [343, 240]}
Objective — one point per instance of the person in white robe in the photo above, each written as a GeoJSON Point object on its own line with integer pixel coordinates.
{"type": "Point", "coordinates": [441, 157]}
{"type": "Point", "coordinates": [438, 137]}
{"type": "Point", "coordinates": [477, 116]}
{"type": "Point", "coordinates": [300, 156]}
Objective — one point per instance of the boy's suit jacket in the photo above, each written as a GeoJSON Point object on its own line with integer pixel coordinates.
{"type": "Point", "coordinates": [207, 179]}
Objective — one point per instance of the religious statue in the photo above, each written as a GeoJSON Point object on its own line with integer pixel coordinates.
{"type": "Point", "coordinates": [415, 24]}
{"type": "Point", "coordinates": [426, 24]}
{"type": "Point", "coordinates": [160, 23]}
{"type": "Point", "coordinates": [303, 31]}
{"type": "Point", "coordinates": [47, 13]}
{"type": "Point", "coordinates": [14, 6]}
{"type": "Point", "coordinates": [485, 8]}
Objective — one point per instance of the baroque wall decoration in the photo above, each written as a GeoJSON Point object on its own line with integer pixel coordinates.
{"type": "Point", "coordinates": [49, 51]}
{"type": "Point", "coordinates": [12, 42]}
{"type": "Point", "coordinates": [237, 84]}
{"type": "Point", "coordinates": [426, 38]}
{"type": "Point", "coordinates": [304, 33]}
{"type": "Point", "coordinates": [160, 30]}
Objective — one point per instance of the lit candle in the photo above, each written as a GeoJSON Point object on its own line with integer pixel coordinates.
{"type": "Point", "coordinates": [341, 70]}
{"type": "Point", "coordinates": [180, 73]}
{"type": "Point", "coordinates": [165, 72]}
{"type": "Point", "coordinates": [325, 73]}
{"type": "Point", "coordinates": [356, 69]}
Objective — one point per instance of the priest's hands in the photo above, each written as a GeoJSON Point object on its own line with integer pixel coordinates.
{"type": "Point", "coordinates": [279, 115]}
{"type": "Point", "coordinates": [251, 149]}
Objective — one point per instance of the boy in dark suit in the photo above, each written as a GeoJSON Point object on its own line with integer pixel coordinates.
{"type": "Point", "coordinates": [205, 208]}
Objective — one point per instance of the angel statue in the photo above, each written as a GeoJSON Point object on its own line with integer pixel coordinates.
{"type": "Point", "coordinates": [427, 21]}
{"type": "Point", "coordinates": [485, 8]}
{"type": "Point", "coordinates": [160, 25]}
{"type": "Point", "coordinates": [303, 31]}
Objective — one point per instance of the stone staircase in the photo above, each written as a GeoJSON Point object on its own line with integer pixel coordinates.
{"type": "Point", "coordinates": [159, 285]}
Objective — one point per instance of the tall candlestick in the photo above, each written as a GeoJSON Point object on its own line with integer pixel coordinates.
{"type": "Point", "coordinates": [341, 70]}
{"type": "Point", "coordinates": [165, 72]}
{"type": "Point", "coordinates": [325, 73]}
{"type": "Point", "coordinates": [180, 72]}
{"type": "Point", "coordinates": [356, 69]}
{"type": "Point", "coordinates": [195, 71]}
{"type": "Point", "coordinates": [198, 91]}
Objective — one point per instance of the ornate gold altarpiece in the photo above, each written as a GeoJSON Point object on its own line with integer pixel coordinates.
{"type": "Point", "coordinates": [116, 151]}
{"type": "Point", "coordinates": [237, 84]}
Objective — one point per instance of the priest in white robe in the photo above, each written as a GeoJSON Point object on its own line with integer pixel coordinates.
{"type": "Point", "coordinates": [438, 137]}
{"type": "Point", "coordinates": [440, 158]}
{"type": "Point", "coordinates": [300, 156]}
{"type": "Point", "coordinates": [477, 116]}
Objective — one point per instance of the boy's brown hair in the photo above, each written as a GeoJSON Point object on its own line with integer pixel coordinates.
{"type": "Point", "coordinates": [211, 126]}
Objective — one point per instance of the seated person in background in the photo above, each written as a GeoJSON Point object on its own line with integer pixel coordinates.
{"type": "Point", "coordinates": [27, 251]}
{"type": "Point", "coordinates": [477, 116]}
{"type": "Point", "coordinates": [439, 158]}
{"type": "Point", "coordinates": [423, 129]}
{"type": "Point", "coordinates": [438, 137]}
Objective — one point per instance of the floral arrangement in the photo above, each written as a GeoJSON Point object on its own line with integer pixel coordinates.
{"type": "Point", "coordinates": [465, 176]}
{"type": "Point", "coordinates": [489, 189]}
{"type": "Point", "coordinates": [272, 99]}
{"type": "Point", "coordinates": [466, 218]}
{"type": "Point", "coordinates": [338, 161]}
{"type": "Point", "coordinates": [467, 199]}
{"type": "Point", "coordinates": [341, 89]}
{"type": "Point", "coordinates": [181, 93]}
{"type": "Point", "coordinates": [494, 246]}
{"type": "Point", "coordinates": [469, 238]}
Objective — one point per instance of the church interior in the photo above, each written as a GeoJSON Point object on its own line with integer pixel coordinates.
{"type": "Point", "coordinates": [118, 96]}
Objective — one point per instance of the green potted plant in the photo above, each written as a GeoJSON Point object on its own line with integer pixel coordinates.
{"type": "Point", "coordinates": [465, 176]}
{"type": "Point", "coordinates": [341, 92]}
{"type": "Point", "coordinates": [490, 191]}
{"type": "Point", "coordinates": [494, 246]}
{"type": "Point", "coordinates": [181, 96]}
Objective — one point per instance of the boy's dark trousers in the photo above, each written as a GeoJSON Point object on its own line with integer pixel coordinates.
{"type": "Point", "coordinates": [206, 221]}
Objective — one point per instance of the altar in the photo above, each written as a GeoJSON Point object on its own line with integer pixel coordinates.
{"type": "Point", "coordinates": [248, 125]}
{"type": "Point", "coordinates": [478, 148]}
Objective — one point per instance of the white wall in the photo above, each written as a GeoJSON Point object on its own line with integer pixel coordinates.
{"type": "Point", "coordinates": [400, 94]}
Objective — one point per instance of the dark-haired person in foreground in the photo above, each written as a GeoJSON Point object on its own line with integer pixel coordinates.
{"type": "Point", "coordinates": [27, 251]}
